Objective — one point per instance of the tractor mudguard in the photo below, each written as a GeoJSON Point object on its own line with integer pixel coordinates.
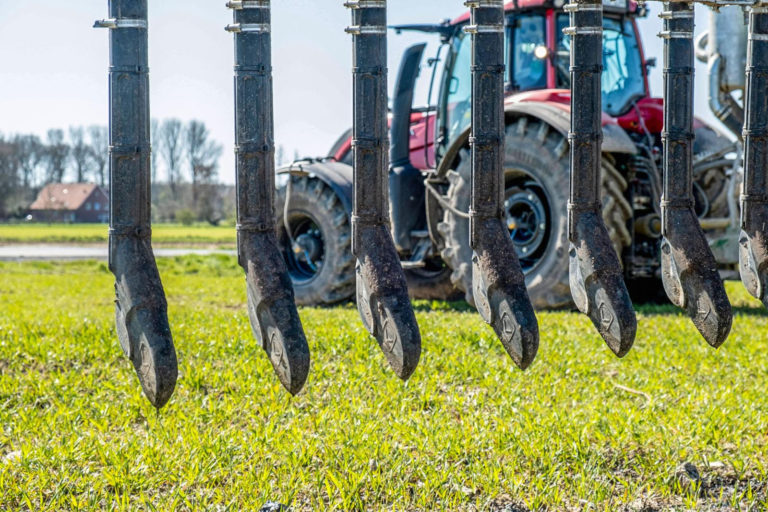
{"type": "Point", "coordinates": [336, 175]}
{"type": "Point", "coordinates": [615, 139]}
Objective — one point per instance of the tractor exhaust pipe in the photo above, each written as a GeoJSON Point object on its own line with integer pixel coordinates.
{"type": "Point", "coordinates": [141, 311]}
{"type": "Point", "coordinates": [689, 270]}
{"type": "Point", "coordinates": [596, 280]}
{"type": "Point", "coordinates": [753, 241]}
{"type": "Point", "coordinates": [497, 280]}
{"type": "Point", "coordinates": [382, 293]}
{"type": "Point", "coordinates": [271, 307]}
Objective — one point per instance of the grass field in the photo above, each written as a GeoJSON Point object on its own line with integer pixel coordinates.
{"type": "Point", "coordinates": [580, 430]}
{"type": "Point", "coordinates": [162, 234]}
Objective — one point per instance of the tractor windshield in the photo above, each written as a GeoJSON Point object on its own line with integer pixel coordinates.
{"type": "Point", "coordinates": [622, 81]}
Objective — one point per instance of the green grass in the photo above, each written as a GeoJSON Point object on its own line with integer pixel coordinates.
{"type": "Point", "coordinates": [162, 234]}
{"type": "Point", "coordinates": [579, 430]}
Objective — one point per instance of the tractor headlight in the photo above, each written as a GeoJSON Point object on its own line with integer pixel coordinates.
{"type": "Point", "coordinates": [541, 52]}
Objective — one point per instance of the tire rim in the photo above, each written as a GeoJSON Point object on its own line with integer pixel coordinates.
{"type": "Point", "coordinates": [306, 257]}
{"type": "Point", "coordinates": [528, 218]}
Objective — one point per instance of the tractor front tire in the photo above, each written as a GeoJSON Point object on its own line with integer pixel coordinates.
{"type": "Point", "coordinates": [536, 175]}
{"type": "Point", "coordinates": [324, 272]}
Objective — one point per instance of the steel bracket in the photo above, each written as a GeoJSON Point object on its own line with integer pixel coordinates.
{"type": "Point", "coordinates": [753, 239]}
{"type": "Point", "coordinates": [382, 292]}
{"type": "Point", "coordinates": [689, 270]}
{"type": "Point", "coordinates": [498, 283]}
{"type": "Point", "coordinates": [595, 275]}
{"type": "Point", "coordinates": [272, 311]}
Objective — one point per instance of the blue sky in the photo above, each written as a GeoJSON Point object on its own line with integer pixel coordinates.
{"type": "Point", "coordinates": [53, 65]}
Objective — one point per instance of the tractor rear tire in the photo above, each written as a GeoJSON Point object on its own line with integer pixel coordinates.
{"type": "Point", "coordinates": [536, 173]}
{"type": "Point", "coordinates": [316, 213]}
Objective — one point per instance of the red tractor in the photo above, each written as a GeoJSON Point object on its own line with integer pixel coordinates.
{"type": "Point", "coordinates": [430, 168]}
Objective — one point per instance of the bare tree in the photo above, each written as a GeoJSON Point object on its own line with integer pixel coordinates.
{"type": "Point", "coordinates": [98, 152]}
{"type": "Point", "coordinates": [8, 174]}
{"type": "Point", "coordinates": [202, 155]}
{"type": "Point", "coordinates": [55, 156]}
{"type": "Point", "coordinates": [29, 154]}
{"type": "Point", "coordinates": [171, 149]}
{"type": "Point", "coordinates": [80, 152]}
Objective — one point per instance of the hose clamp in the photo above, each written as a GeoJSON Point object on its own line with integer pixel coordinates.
{"type": "Point", "coordinates": [676, 34]}
{"type": "Point", "coordinates": [475, 4]}
{"type": "Point", "coordinates": [254, 28]}
{"type": "Point", "coordinates": [115, 23]}
{"type": "Point", "coordinates": [248, 4]}
{"type": "Point", "coordinates": [484, 29]}
{"type": "Point", "coordinates": [583, 31]}
{"type": "Point", "coordinates": [366, 30]}
{"type": "Point", "coordinates": [573, 7]}
{"type": "Point", "coordinates": [670, 15]}
{"type": "Point", "coordinates": [366, 4]}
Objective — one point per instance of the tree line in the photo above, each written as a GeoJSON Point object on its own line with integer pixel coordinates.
{"type": "Point", "coordinates": [184, 163]}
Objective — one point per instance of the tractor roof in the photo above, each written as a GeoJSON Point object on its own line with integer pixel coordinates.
{"type": "Point", "coordinates": [515, 5]}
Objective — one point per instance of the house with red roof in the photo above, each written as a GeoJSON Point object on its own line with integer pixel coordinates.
{"type": "Point", "coordinates": [71, 202]}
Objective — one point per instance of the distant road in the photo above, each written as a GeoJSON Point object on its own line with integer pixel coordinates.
{"type": "Point", "coordinates": [96, 252]}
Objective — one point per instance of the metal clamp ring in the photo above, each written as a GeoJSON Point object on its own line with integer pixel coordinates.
{"type": "Point", "coordinates": [257, 28]}
{"type": "Point", "coordinates": [366, 30]}
{"type": "Point", "coordinates": [248, 4]}
{"type": "Point", "coordinates": [676, 34]}
{"type": "Point", "coordinates": [669, 15]}
{"type": "Point", "coordinates": [474, 4]}
{"type": "Point", "coordinates": [366, 4]}
{"type": "Point", "coordinates": [573, 31]}
{"type": "Point", "coordinates": [573, 7]}
{"type": "Point", "coordinates": [113, 23]}
{"type": "Point", "coordinates": [484, 29]}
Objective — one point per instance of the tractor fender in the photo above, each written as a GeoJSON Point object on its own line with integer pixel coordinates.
{"type": "Point", "coordinates": [336, 175]}
{"type": "Point", "coordinates": [615, 139]}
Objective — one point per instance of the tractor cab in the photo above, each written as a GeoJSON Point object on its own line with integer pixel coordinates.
{"type": "Point", "coordinates": [537, 56]}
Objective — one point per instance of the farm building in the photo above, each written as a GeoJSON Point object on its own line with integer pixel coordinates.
{"type": "Point", "coordinates": [71, 202]}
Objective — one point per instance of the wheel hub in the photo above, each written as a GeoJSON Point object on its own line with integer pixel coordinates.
{"type": "Point", "coordinates": [527, 223]}
{"type": "Point", "coordinates": [305, 255]}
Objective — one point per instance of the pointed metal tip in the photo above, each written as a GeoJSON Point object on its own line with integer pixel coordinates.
{"type": "Point", "coordinates": [278, 327]}
{"type": "Point", "coordinates": [291, 368]}
{"type": "Point", "coordinates": [383, 301]}
{"type": "Point", "coordinates": [691, 280]}
{"type": "Point", "coordinates": [516, 328]}
{"type": "Point", "coordinates": [145, 337]}
{"type": "Point", "coordinates": [397, 333]}
{"type": "Point", "coordinates": [500, 295]}
{"type": "Point", "coordinates": [597, 286]}
{"type": "Point", "coordinates": [613, 316]}
{"type": "Point", "coordinates": [712, 316]}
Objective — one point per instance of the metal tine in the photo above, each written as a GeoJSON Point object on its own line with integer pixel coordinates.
{"type": "Point", "coordinates": [497, 280]}
{"type": "Point", "coordinates": [689, 270]}
{"type": "Point", "coordinates": [753, 241]}
{"type": "Point", "coordinates": [597, 286]}
{"type": "Point", "coordinates": [382, 293]}
{"type": "Point", "coordinates": [271, 307]}
{"type": "Point", "coordinates": [141, 315]}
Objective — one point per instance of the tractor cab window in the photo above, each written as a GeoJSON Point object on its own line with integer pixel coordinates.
{"type": "Point", "coordinates": [528, 70]}
{"type": "Point", "coordinates": [622, 80]}
{"type": "Point", "coordinates": [457, 109]}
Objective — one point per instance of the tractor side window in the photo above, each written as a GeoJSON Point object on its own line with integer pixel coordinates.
{"type": "Point", "coordinates": [459, 97]}
{"type": "Point", "coordinates": [528, 71]}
